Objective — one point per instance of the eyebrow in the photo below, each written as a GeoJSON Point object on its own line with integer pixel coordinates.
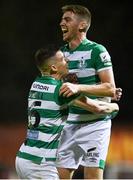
{"type": "Point", "coordinates": [66, 18]}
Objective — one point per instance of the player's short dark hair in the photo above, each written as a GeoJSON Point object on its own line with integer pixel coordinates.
{"type": "Point", "coordinates": [42, 55]}
{"type": "Point", "coordinates": [82, 11]}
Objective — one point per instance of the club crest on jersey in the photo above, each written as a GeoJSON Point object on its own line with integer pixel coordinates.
{"type": "Point", "coordinates": [105, 57]}
{"type": "Point", "coordinates": [82, 64]}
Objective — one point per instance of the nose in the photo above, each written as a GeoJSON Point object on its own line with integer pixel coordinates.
{"type": "Point", "coordinates": [62, 22]}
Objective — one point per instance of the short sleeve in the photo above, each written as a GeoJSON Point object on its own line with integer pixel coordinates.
{"type": "Point", "coordinates": [102, 58]}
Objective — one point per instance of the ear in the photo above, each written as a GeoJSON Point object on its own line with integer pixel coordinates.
{"type": "Point", "coordinates": [82, 26]}
{"type": "Point", "coordinates": [53, 68]}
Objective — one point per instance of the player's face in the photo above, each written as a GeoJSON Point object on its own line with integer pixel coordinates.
{"type": "Point", "coordinates": [70, 26]}
{"type": "Point", "coordinates": [61, 63]}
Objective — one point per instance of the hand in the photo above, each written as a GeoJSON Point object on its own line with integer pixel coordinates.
{"type": "Point", "coordinates": [118, 94]}
{"type": "Point", "coordinates": [69, 89]}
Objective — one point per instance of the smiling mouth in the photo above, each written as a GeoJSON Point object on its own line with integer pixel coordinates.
{"type": "Point", "coordinates": [64, 30]}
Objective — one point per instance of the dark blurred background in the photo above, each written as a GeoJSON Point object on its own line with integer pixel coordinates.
{"type": "Point", "coordinates": [27, 25]}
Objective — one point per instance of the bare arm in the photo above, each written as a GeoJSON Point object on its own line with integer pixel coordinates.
{"type": "Point", "coordinates": [108, 76]}
{"type": "Point", "coordinates": [96, 106]}
{"type": "Point", "coordinates": [106, 88]}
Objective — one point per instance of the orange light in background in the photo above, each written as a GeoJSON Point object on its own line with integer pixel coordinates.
{"type": "Point", "coordinates": [121, 146]}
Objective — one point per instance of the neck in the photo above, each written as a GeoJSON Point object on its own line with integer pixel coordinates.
{"type": "Point", "coordinates": [56, 75]}
{"type": "Point", "coordinates": [76, 42]}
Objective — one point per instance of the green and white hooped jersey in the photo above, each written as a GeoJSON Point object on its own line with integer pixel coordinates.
{"type": "Point", "coordinates": [47, 112]}
{"type": "Point", "coordinates": [86, 61]}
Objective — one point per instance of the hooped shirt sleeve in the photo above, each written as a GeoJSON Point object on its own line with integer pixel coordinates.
{"type": "Point", "coordinates": [102, 58]}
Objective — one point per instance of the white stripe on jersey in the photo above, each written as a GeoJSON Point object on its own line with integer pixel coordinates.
{"type": "Point", "coordinates": [105, 68]}
{"type": "Point", "coordinates": [41, 152]}
{"type": "Point", "coordinates": [83, 72]}
{"type": "Point", "coordinates": [52, 121]}
{"type": "Point", "coordinates": [78, 55]}
{"type": "Point", "coordinates": [46, 137]}
{"type": "Point", "coordinates": [87, 71]}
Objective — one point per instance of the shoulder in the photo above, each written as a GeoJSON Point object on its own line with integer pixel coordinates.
{"type": "Point", "coordinates": [96, 46]}
{"type": "Point", "coordinates": [39, 78]}
{"type": "Point", "coordinates": [99, 50]}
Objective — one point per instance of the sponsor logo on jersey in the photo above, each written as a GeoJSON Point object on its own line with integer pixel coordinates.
{"type": "Point", "coordinates": [41, 87]}
{"type": "Point", "coordinates": [105, 57]}
{"type": "Point", "coordinates": [82, 64]}
{"type": "Point", "coordinates": [32, 134]}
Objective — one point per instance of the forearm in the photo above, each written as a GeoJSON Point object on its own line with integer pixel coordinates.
{"type": "Point", "coordinates": [87, 105]}
{"type": "Point", "coordinates": [103, 89]}
{"type": "Point", "coordinates": [96, 106]}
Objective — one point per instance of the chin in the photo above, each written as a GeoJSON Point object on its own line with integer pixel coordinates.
{"type": "Point", "coordinates": [65, 39]}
